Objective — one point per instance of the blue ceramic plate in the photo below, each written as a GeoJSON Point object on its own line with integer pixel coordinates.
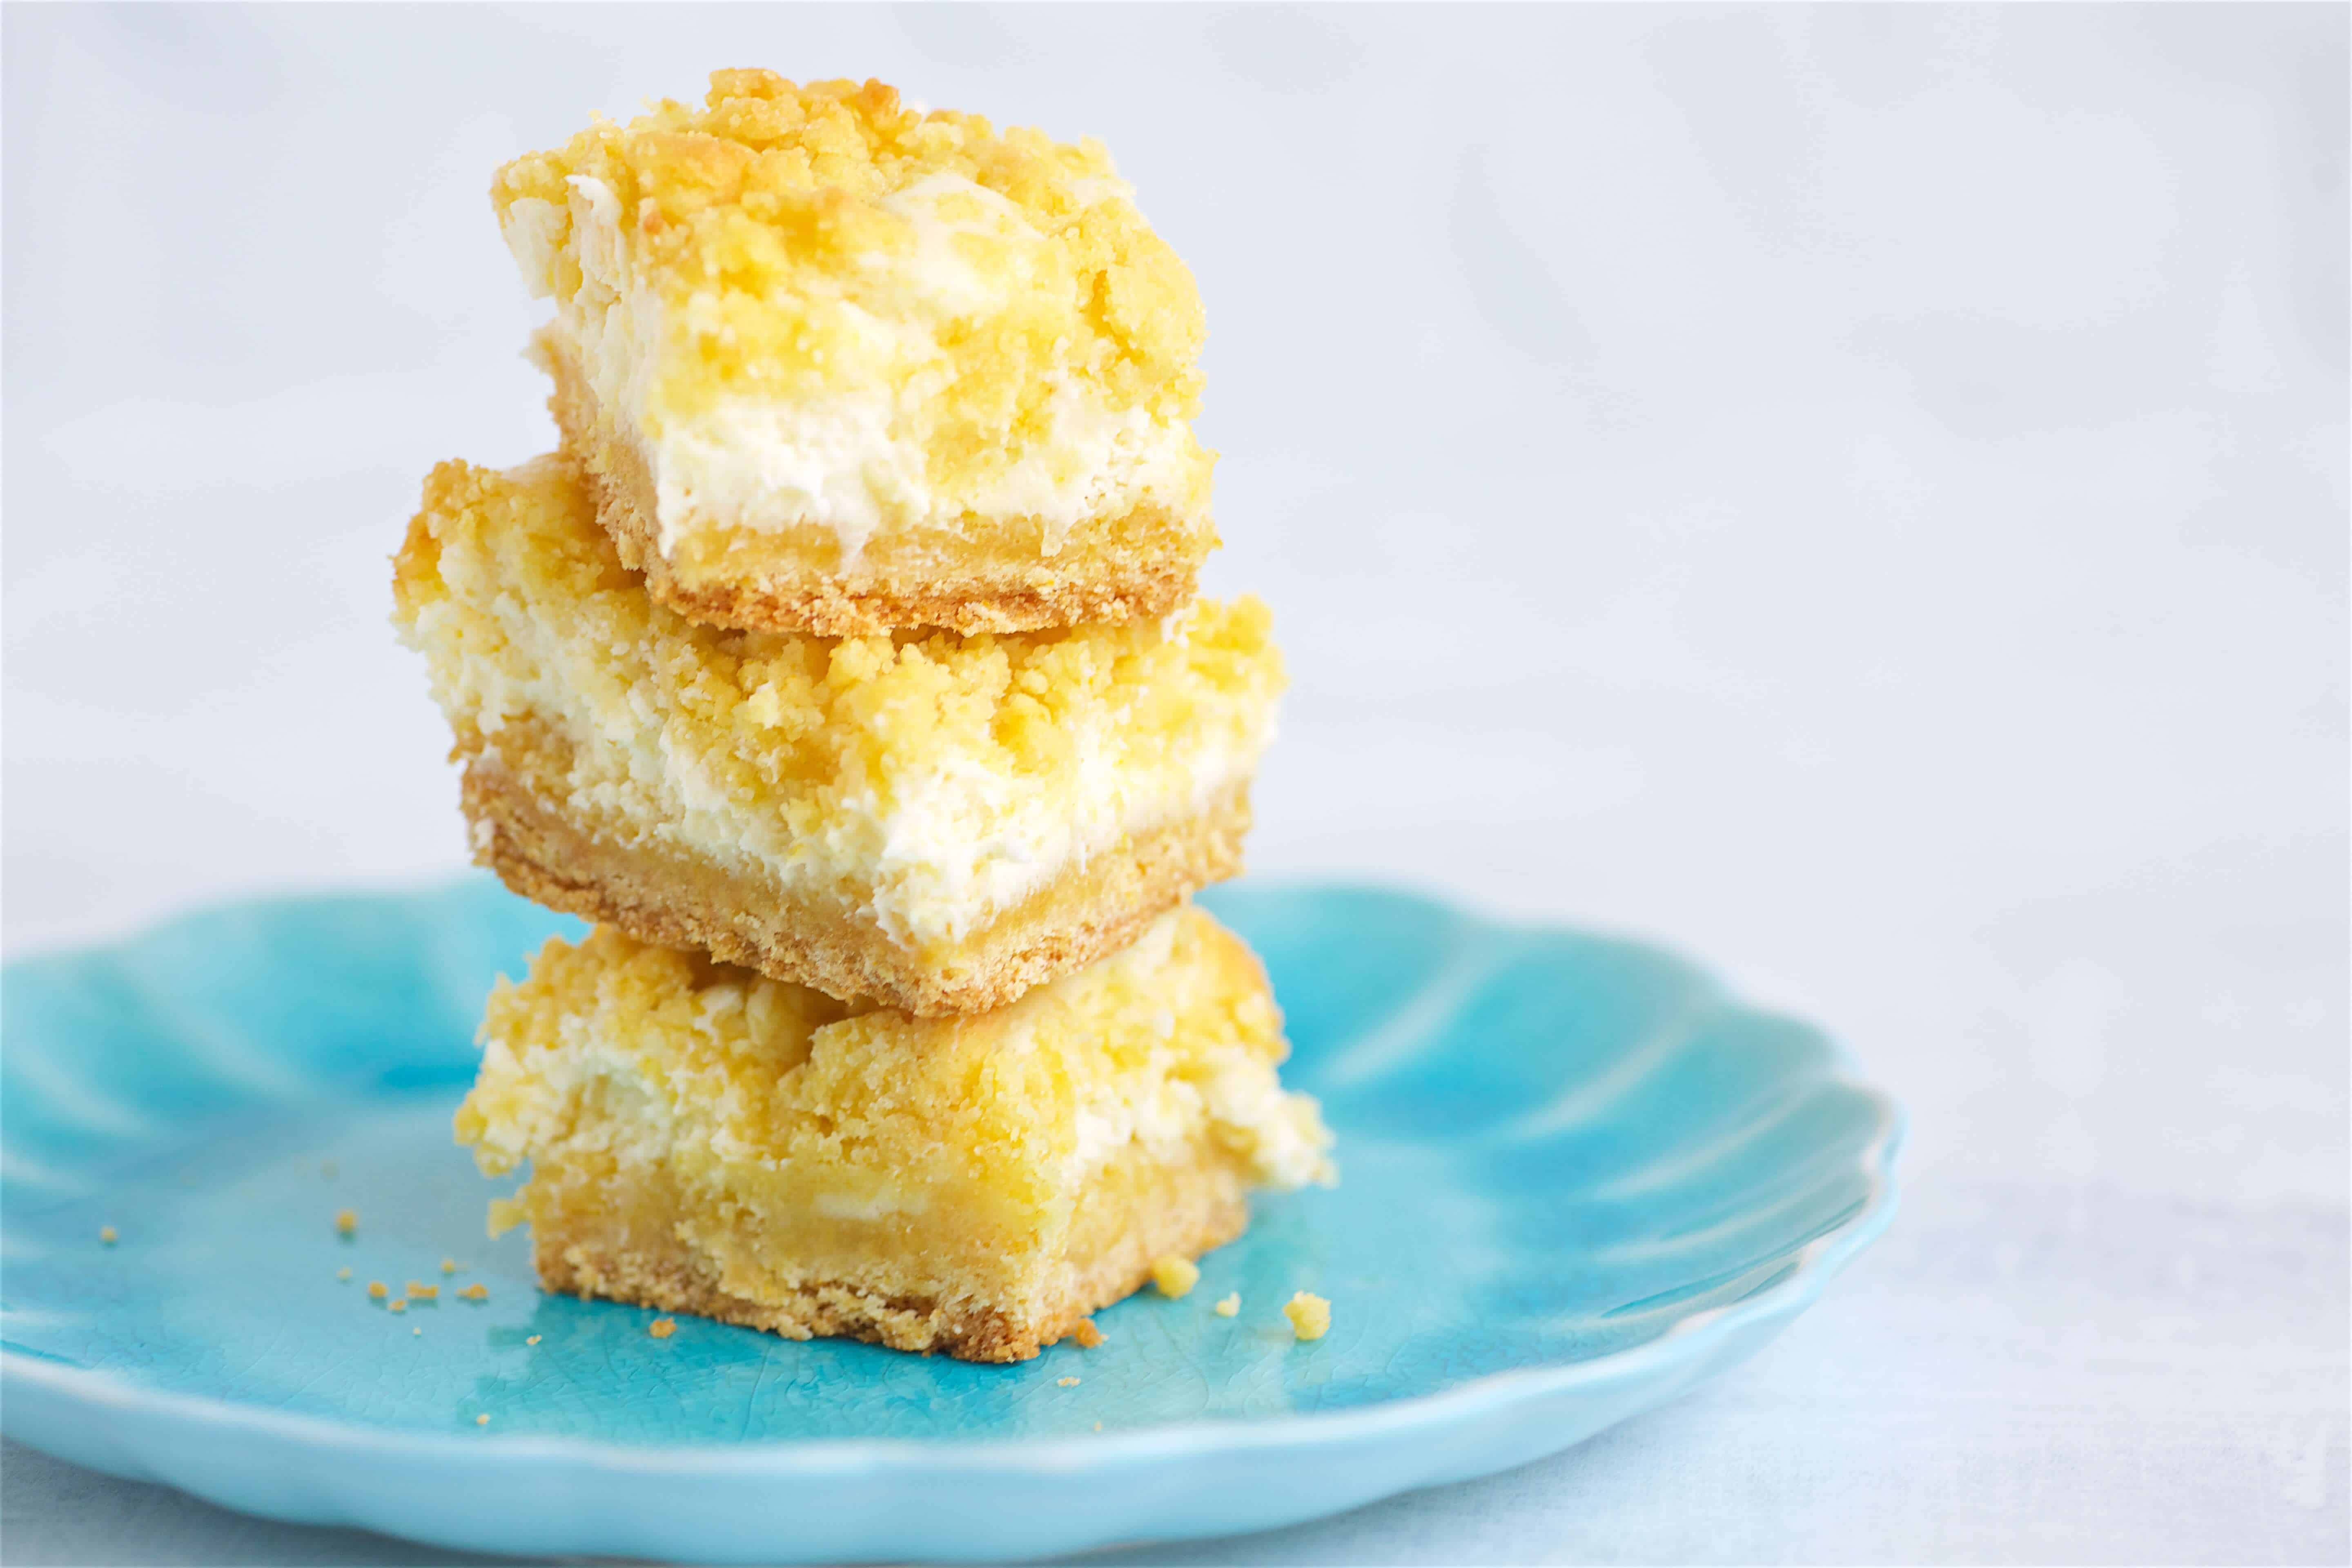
{"type": "Point", "coordinates": [1577, 1178]}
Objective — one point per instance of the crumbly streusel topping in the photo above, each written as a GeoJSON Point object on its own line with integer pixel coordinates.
{"type": "Point", "coordinates": [783, 223]}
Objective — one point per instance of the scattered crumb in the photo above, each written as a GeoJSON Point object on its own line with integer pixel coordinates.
{"type": "Point", "coordinates": [1310, 1316]}
{"type": "Point", "coordinates": [1098, 1426]}
{"type": "Point", "coordinates": [344, 1273]}
{"type": "Point", "coordinates": [483, 1419]}
{"type": "Point", "coordinates": [423, 1292]}
{"type": "Point", "coordinates": [478, 1291]}
{"type": "Point", "coordinates": [1066, 1382]}
{"type": "Point", "coordinates": [1086, 1334]}
{"type": "Point", "coordinates": [1175, 1275]}
{"type": "Point", "coordinates": [327, 1169]}
{"type": "Point", "coordinates": [1230, 1305]}
{"type": "Point", "coordinates": [448, 1265]}
{"type": "Point", "coordinates": [662, 1328]}
{"type": "Point", "coordinates": [347, 1220]}
{"type": "Point", "coordinates": [418, 1333]}
{"type": "Point", "coordinates": [376, 1290]}
{"type": "Point", "coordinates": [107, 1233]}
{"type": "Point", "coordinates": [397, 1304]}
{"type": "Point", "coordinates": [533, 1341]}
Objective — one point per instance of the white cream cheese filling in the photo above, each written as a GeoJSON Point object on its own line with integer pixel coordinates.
{"type": "Point", "coordinates": [1243, 1101]}
{"type": "Point", "coordinates": [857, 460]}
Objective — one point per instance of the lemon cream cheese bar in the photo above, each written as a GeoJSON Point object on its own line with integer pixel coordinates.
{"type": "Point", "coordinates": [933, 821]}
{"type": "Point", "coordinates": [702, 1139]}
{"type": "Point", "coordinates": [836, 367]}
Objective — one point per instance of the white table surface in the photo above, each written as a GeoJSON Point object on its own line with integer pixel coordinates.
{"type": "Point", "coordinates": [1860, 494]}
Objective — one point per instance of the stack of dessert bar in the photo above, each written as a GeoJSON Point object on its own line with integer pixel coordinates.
{"type": "Point", "coordinates": [844, 666]}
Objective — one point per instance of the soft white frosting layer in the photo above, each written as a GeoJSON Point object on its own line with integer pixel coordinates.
{"type": "Point", "coordinates": [857, 459]}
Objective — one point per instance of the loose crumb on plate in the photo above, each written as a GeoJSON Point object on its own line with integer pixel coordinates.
{"type": "Point", "coordinates": [347, 1220]}
{"type": "Point", "coordinates": [448, 1265]}
{"type": "Point", "coordinates": [1066, 1382]}
{"type": "Point", "coordinates": [533, 1341]}
{"type": "Point", "coordinates": [108, 1235]}
{"type": "Point", "coordinates": [397, 1304]}
{"type": "Point", "coordinates": [1229, 1306]}
{"type": "Point", "coordinates": [662, 1328]}
{"type": "Point", "coordinates": [483, 1419]}
{"type": "Point", "coordinates": [344, 1273]}
{"type": "Point", "coordinates": [1086, 1334]}
{"type": "Point", "coordinates": [418, 1333]}
{"type": "Point", "coordinates": [478, 1291]}
{"type": "Point", "coordinates": [423, 1292]}
{"type": "Point", "coordinates": [1309, 1315]}
{"type": "Point", "coordinates": [1175, 1274]}
{"type": "Point", "coordinates": [376, 1289]}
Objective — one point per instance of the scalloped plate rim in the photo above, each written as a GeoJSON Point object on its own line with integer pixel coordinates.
{"type": "Point", "coordinates": [114, 1399]}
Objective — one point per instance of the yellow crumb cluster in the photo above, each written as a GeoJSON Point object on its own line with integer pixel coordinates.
{"type": "Point", "coordinates": [523, 610]}
{"type": "Point", "coordinates": [1175, 1275]}
{"type": "Point", "coordinates": [1309, 1315]}
{"type": "Point", "coordinates": [347, 1221]}
{"type": "Point", "coordinates": [778, 225]}
{"type": "Point", "coordinates": [1229, 1306]}
{"type": "Point", "coordinates": [739, 1069]}
{"type": "Point", "coordinates": [108, 1235]}
{"type": "Point", "coordinates": [476, 1292]}
{"type": "Point", "coordinates": [662, 1328]}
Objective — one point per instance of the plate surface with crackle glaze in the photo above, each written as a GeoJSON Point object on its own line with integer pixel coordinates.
{"type": "Point", "coordinates": [1577, 1177]}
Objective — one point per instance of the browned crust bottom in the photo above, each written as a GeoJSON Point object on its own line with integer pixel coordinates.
{"type": "Point", "coordinates": [1144, 580]}
{"type": "Point", "coordinates": [661, 898]}
{"type": "Point", "coordinates": [628, 1244]}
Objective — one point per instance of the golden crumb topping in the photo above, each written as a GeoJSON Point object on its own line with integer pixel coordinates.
{"type": "Point", "coordinates": [727, 1064]}
{"type": "Point", "coordinates": [788, 230]}
{"type": "Point", "coordinates": [1309, 1315]}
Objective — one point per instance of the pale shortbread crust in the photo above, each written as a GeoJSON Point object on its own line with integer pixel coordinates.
{"type": "Point", "coordinates": [1138, 566]}
{"type": "Point", "coordinates": [659, 896]}
{"type": "Point", "coordinates": [622, 1237]}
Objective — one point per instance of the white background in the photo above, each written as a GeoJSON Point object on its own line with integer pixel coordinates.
{"type": "Point", "coordinates": [1857, 493]}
